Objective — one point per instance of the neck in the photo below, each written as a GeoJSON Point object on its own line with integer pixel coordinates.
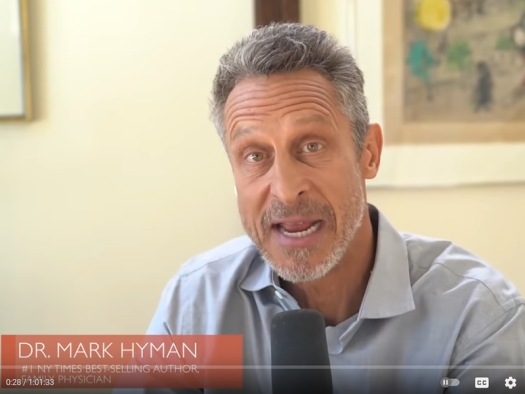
{"type": "Point", "coordinates": [340, 293]}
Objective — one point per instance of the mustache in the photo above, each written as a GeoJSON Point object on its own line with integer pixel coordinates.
{"type": "Point", "coordinates": [279, 211]}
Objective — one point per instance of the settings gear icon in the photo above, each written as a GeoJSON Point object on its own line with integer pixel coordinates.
{"type": "Point", "coordinates": [510, 382]}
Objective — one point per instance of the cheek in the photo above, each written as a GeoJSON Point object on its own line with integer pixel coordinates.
{"type": "Point", "coordinates": [248, 205]}
{"type": "Point", "coordinates": [338, 182]}
{"type": "Point", "coordinates": [242, 204]}
{"type": "Point", "coordinates": [250, 192]}
{"type": "Point", "coordinates": [341, 188]}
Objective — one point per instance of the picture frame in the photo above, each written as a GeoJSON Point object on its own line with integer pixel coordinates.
{"type": "Point", "coordinates": [406, 162]}
{"type": "Point", "coordinates": [15, 80]}
{"type": "Point", "coordinates": [476, 36]}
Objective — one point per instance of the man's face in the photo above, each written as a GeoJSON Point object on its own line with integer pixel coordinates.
{"type": "Point", "coordinates": [297, 172]}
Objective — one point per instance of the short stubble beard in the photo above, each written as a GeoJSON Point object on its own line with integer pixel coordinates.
{"type": "Point", "coordinates": [302, 269]}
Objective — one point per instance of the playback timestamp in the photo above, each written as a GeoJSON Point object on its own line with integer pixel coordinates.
{"type": "Point", "coordinates": [30, 382]}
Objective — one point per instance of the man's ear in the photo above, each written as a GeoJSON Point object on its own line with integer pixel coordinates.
{"type": "Point", "coordinates": [371, 154]}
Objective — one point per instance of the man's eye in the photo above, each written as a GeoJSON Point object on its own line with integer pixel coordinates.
{"type": "Point", "coordinates": [255, 157]}
{"type": "Point", "coordinates": [312, 147]}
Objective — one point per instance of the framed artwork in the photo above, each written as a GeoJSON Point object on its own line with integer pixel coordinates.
{"type": "Point", "coordinates": [444, 78]}
{"type": "Point", "coordinates": [454, 71]}
{"type": "Point", "coordinates": [15, 89]}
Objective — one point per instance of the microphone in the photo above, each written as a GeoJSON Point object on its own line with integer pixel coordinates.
{"type": "Point", "coordinates": [298, 340]}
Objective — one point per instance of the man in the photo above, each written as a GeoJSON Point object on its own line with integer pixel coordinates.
{"type": "Point", "coordinates": [402, 311]}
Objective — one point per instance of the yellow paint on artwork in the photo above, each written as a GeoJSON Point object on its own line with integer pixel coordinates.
{"type": "Point", "coordinates": [433, 14]}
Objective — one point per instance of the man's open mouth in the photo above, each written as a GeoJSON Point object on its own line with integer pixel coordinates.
{"type": "Point", "coordinates": [298, 229]}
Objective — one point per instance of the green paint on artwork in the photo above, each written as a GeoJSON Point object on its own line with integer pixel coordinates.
{"type": "Point", "coordinates": [420, 60]}
{"type": "Point", "coordinates": [505, 44]}
{"type": "Point", "coordinates": [459, 55]}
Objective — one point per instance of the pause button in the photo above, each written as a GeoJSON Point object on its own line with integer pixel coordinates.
{"type": "Point", "coordinates": [449, 382]}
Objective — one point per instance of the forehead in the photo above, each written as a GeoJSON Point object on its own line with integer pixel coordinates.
{"type": "Point", "coordinates": [306, 92]}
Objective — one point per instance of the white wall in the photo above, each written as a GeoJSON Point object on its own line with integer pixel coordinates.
{"type": "Point", "coordinates": [121, 178]}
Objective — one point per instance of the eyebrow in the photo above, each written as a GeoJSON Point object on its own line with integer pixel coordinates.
{"type": "Point", "coordinates": [241, 132]}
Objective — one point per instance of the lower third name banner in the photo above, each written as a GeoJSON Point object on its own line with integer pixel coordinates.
{"type": "Point", "coordinates": [121, 361]}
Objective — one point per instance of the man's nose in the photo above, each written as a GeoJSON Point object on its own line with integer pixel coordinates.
{"type": "Point", "coordinates": [288, 181]}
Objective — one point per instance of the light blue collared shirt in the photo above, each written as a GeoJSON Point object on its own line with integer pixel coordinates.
{"type": "Point", "coordinates": [431, 310]}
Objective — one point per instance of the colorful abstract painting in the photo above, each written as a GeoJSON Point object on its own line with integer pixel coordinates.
{"type": "Point", "coordinates": [464, 61]}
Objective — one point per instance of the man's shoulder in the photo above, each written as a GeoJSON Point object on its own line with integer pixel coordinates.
{"type": "Point", "coordinates": [464, 291]}
{"type": "Point", "coordinates": [442, 265]}
{"type": "Point", "coordinates": [233, 255]}
{"type": "Point", "coordinates": [213, 273]}
{"type": "Point", "coordinates": [204, 285]}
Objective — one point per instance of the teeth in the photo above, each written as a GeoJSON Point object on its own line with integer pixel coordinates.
{"type": "Point", "coordinates": [304, 233]}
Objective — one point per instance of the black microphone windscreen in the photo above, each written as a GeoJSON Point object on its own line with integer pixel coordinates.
{"type": "Point", "coordinates": [300, 359]}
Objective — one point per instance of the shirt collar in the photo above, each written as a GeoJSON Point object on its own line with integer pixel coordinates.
{"type": "Point", "coordinates": [259, 276]}
{"type": "Point", "coordinates": [389, 291]}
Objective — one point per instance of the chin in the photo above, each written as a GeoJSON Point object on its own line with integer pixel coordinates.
{"type": "Point", "coordinates": [300, 269]}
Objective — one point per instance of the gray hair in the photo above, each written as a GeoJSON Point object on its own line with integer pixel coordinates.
{"type": "Point", "coordinates": [286, 47]}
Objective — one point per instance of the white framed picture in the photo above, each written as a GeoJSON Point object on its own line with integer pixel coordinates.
{"type": "Point", "coordinates": [439, 150]}
{"type": "Point", "coordinates": [15, 89]}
